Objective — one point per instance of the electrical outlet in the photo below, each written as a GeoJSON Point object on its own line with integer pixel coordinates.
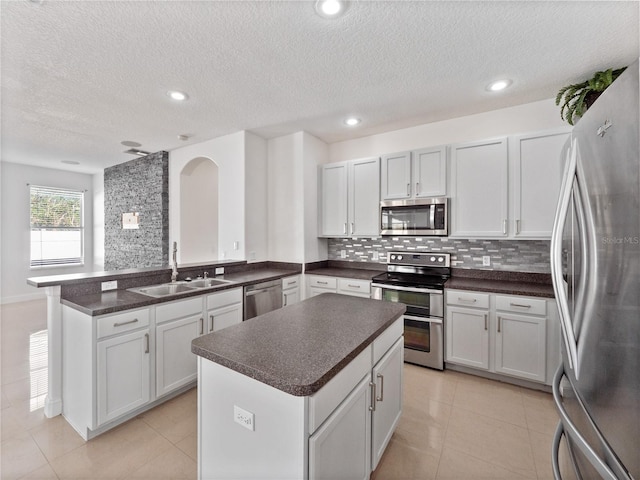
{"type": "Point", "coordinates": [236, 245]}
{"type": "Point", "coordinates": [112, 285]}
{"type": "Point", "coordinates": [252, 255]}
{"type": "Point", "coordinates": [486, 260]}
{"type": "Point", "coordinates": [375, 256]}
{"type": "Point", "coordinates": [244, 418]}
{"type": "Point", "coordinates": [343, 254]}
{"type": "Point", "coordinates": [219, 271]}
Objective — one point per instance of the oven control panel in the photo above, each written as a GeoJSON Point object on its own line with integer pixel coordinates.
{"type": "Point", "coordinates": [419, 259]}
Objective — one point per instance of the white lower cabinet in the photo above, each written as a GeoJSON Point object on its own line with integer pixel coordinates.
{"type": "Point", "coordinates": [319, 284]}
{"type": "Point", "coordinates": [505, 334]}
{"type": "Point", "coordinates": [123, 365]}
{"type": "Point", "coordinates": [340, 448]}
{"type": "Point", "coordinates": [223, 310]}
{"type": "Point", "coordinates": [290, 290]}
{"type": "Point", "coordinates": [387, 409]}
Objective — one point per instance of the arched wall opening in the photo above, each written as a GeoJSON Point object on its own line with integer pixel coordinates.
{"type": "Point", "coordinates": [199, 211]}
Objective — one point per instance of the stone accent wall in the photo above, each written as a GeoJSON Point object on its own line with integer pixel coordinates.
{"type": "Point", "coordinates": [141, 185]}
{"type": "Point", "coordinates": [511, 255]}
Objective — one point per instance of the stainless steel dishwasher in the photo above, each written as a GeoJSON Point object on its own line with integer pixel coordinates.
{"type": "Point", "coordinates": [262, 298]}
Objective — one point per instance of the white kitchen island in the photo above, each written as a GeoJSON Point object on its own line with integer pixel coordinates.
{"type": "Point", "coordinates": [310, 391]}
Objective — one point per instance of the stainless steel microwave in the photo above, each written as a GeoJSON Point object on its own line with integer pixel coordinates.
{"type": "Point", "coordinates": [420, 217]}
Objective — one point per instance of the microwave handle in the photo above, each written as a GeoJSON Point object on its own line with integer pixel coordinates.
{"type": "Point", "coordinates": [432, 216]}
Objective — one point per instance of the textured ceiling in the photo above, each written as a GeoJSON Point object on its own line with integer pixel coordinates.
{"type": "Point", "coordinates": [80, 77]}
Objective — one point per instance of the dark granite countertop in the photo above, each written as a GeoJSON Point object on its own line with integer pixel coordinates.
{"type": "Point", "coordinates": [299, 348]}
{"type": "Point", "coordinates": [510, 283]}
{"type": "Point", "coordinates": [117, 300]}
{"type": "Point", "coordinates": [337, 268]}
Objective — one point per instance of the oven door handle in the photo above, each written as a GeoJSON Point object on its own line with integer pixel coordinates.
{"type": "Point", "coordinates": [407, 289]}
{"type": "Point", "coordinates": [424, 319]}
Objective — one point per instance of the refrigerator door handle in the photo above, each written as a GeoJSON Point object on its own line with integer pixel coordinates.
{"type": "Point", "coordinates": [555, 452]}
{"type": "Point", "coordinates": [556, 258]}
{"type": "Point", "coordinates": [569, 429]}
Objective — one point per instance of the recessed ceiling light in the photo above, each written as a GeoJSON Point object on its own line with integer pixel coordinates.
{"type": "Point", "coordinates": [352, 121]}
{"type": "Point", "coordinates": [70, 162]}
{"type": "Point", "coordinates": [130, 143]}
{"type": "Point", "coordinates": [498, 85]}
{"type": "Point", "coordinates": [330, 8]}
{"type": "Point", "coordinates": [178, 96]}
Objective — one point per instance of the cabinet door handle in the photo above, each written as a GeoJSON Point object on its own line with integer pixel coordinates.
{"type": "Point", "coordinates": [146, 341]}
{"type": "Point", "coordinates": [504, 226]}
{"type": "Point", "coordinates": [344, 229]}
{"type": "Point", "coordinates": [468, 300]}
{"type": "Point", "coordinates": [322, 283]}
{"type": "Point", "coordinates": [284, 304]}
{"type": "Point", "coordinates": [499, 322]}
{"type": "Point", "coordinates": [352, 227]}
{"type": "Point", "coordinates": [119, 324]}
{"type": "Point", "coordinates": [408, 189]}
{"type": "Point", "coordinates": [520, 305]}
{"type": "Point", "coordinates": [353, 286]}
{"type": "Point", "coordinates": [517, 226]}
{"type": "Point", "coordinates": [211, 323]}
{"type": "Point", "coordinates": [486, 322]}
{"type": "Point", "coordinates": [201, 325]}
{"type": "Point", "coordinates": [417, 188]}
{"type": "Point", "coordinates": [381, 397]}
{"type": "Point", "coordinates": [372, 407]}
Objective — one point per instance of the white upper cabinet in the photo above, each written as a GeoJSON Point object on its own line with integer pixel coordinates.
{"type": "Point", "coordinates": [350, 198]}
{"type": "Point", "coordinates": [415, 174]}
{"type": "Point", "coordinates": [537, 172]}
{"type": "Point", "coordinates": [479, 189]}
{"type": "Point", "coordinates": [334, 208]}
{"type": "Point", "coordinates": [429, 172]}
{"type": "Point", "coordinates": [396, 176]}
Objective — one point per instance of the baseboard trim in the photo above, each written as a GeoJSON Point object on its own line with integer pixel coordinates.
{"type": "Point", "coordinates": [23, 298]}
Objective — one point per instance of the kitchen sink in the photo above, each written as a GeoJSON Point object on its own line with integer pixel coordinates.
{"type": "Point", "coordinates": [169, 289]}
{"type": "Point", "coordinates": [163, 290]}
{"type": "Point", "coordinates": [208, 282]}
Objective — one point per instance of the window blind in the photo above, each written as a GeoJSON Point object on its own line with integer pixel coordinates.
{"type": "Point", "coordinates": [56, 218]}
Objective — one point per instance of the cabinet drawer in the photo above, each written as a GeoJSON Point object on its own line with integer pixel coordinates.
{"type": "Point", "coordinates": [521, 305]}
{"type": "Point", "coordinates": [322, 282]}
{"type": "Point", "coordinates": [467, 299]}
{"type": "Point", "coordinates": [325, 400]}
{"type": "Point", "coordinates": [355, 286]}
{"type": "Point", "coordinates": [179, 309]}
{"type": "Point", "coordinates": [291, 282]}
{"type": "Point", "coordinates": [387, 339]}
{"type": "Point", "coordinates": [122, 322]}
{"type": "Point", "coordinates": [224, 298]}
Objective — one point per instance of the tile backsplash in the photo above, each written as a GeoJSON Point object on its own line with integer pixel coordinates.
{"type": "Point", "coordinates": [511, 255]}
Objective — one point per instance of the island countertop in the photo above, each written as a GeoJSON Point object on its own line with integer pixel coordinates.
{"type": "Point", "coordinates": [299, 348]}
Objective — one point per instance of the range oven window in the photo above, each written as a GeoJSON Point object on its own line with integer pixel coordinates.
{"type": "Point", "coordinates": [417, 303]}
{"type": "Point", "coordinates": [417, 335]}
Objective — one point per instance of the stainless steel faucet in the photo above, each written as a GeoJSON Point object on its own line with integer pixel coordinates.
{"type": "Point", "coordinates": [174, 269]}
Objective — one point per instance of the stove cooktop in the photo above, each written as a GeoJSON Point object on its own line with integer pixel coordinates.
{"type": "Point", "coordinates": [435, 282]}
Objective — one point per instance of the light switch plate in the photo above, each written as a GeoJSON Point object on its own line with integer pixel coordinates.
{"type": "Point", "coordinates": [244, 418]}
{"type": "Point", "coordinates": [112, 285]}
{"type": "Point", "coordinates": [343, 254]}
{"type": "Point", "coordinates": [375, 256]}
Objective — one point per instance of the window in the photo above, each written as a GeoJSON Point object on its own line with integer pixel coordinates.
{"type": "Point", "coordinates": [57, 230]}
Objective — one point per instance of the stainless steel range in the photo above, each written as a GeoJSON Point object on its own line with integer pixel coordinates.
{"type": "Point", "coordinates": [417, 280]}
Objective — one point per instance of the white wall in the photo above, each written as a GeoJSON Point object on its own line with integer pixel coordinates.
{"type": "Point", "coordinates": [256, 214]}
{"type": "Point", "coordinates": [15, 245]}
{"type": "Point", "coordinates": [199, 211]}
{"type": "Point", "coordinates": [98, 221]}
{"type": "Point", "coordinates": [285, 206]}
{"type": "Point", "coordinates": [530, 117]}
{"type": "Point", "coordinates": [228, 153]}
{"type": "Point", "coordinates": [293, 198]}
{"type": "Point", "coordinates": [315, 153]}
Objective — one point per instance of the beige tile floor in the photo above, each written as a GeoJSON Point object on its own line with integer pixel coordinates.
{"type": "Point", "coordinates": [454, 426]}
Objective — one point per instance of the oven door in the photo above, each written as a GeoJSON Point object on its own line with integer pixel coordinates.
{"type": "Point", "coordinates": [423, 341]}
{"type": "Point", "coordinates": [423, 328]}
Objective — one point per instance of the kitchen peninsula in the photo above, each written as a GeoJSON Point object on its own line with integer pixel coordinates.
{"type": "Point", "coordinates": [312, 390]}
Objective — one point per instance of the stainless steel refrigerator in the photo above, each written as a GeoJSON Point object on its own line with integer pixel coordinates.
{"type": "Point", "coordinates": [595, 264]}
